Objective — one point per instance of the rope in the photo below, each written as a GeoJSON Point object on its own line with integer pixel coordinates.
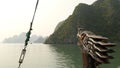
{"type": "Point", "coordinates": [23, 52]}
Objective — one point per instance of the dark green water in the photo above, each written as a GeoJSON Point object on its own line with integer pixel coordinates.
{"type": "Point", "coordinates": [70, 53]}
{"type": "Point", "coordinates": [114, 63]}
{"type": "Point", "coordinates": [48, 56]}
{"type": "Point", "coordinates": [74, 54]}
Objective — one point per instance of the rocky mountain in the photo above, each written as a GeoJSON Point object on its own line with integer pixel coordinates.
{"type": "Point", "coordinates": [40, 40]}
{"type": "Point", "coordinates": [21, 39]}
{"type": "Point", "coordinates": [102, 18]}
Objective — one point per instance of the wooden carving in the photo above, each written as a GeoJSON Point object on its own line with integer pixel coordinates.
{"type": "Point", "coordinates": [95, 49]}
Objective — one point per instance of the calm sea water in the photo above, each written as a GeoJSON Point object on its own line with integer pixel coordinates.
{"type": "Point", "coordinates": [48, 56]}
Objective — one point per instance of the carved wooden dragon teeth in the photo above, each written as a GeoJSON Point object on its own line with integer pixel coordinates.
{"type": "Point", "coordinates": [96, 46]}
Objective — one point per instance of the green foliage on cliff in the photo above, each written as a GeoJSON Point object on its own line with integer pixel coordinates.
{"type": "Point", "coordinates": [102, 17]}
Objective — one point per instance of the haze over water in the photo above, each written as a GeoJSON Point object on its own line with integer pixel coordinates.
{"type": "Point", "coordinates": [16, 15]}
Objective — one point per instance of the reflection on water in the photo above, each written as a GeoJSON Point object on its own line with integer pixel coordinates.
{"type": "Point", "coordinates": [68, 56]}
{"type": "Point", "coordinates": [40, 56]}
{"type": "Point", "coordinates": [47, 56]}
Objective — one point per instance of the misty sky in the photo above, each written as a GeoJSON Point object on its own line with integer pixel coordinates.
{"type": "Point", "coordinates": [16, 15]}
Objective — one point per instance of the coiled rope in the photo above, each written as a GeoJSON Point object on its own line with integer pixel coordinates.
{"type": "Point", "coordinates": [23, 52]}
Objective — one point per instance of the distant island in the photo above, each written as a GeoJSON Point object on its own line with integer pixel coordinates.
{"type": "Point", "coordinates": [102, 17]}
{"type": "Point", "coordinates": [21, 39]}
